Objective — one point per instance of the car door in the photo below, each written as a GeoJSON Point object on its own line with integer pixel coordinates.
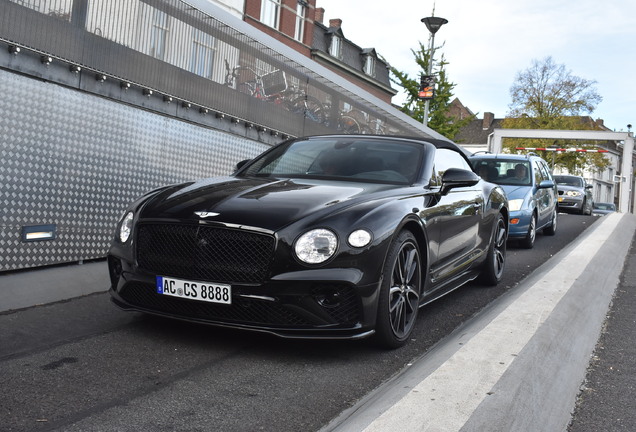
{"type": "Point", "coordinates": [455, 220]}
{"type": "Point", "coordinates": [545, 197]}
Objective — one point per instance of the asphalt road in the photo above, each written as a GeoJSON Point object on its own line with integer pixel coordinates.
{"type": "Point", "coordinates": [83, 365]}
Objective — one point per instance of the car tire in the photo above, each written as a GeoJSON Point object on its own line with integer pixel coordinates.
{"type": "Point", "coordinates": [583, 208]}
{"type": "Point", "coordinates": [496, 259]}
{"type": "Point", "coordinates": [528, 241]}
{"type": "Point", "coordinates": [551, 229]}
{"type": "Point", "coordinates": [400, 291]}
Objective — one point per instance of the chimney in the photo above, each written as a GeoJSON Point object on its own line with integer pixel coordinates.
{"type": "Point", "coordinates": [488, 119]}
{"type": "Point", "coordinates": [336, 22]}
{"type": "Point", "coordinates": [320, 15]}
{"type": "Point", "coordinates": [600, 122]}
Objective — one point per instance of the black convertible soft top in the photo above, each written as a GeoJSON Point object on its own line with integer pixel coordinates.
{"type": "Point", "coordinates": [438, 143]}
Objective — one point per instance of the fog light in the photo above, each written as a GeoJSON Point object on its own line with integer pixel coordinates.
{"type": "Point", "coordinates": [329, 298]}
{"type": "Point", "coordinates": [115, 270]}
{"type": "Point", "coordinates": [514, 221]}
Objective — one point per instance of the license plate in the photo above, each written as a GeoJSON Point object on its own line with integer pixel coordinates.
{"type": "Point", "coordinates": [201, 291]}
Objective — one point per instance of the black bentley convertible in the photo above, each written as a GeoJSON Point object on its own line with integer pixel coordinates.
{"type": "Point", "coordinates": [331, 236]}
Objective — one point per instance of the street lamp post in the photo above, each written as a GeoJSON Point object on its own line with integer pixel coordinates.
{"type": "Point", "coordinates": [432, 24]}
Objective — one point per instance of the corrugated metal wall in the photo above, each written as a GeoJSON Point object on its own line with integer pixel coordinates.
{"type": "Point", "coordinates": [77, 160]}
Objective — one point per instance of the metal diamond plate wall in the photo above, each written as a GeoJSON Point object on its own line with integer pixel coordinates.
{"type": "Point", "coordinates": [76, 160]}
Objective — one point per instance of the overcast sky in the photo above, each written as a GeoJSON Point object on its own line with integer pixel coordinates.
{"type": "Point", "coordinates": [487, 42]}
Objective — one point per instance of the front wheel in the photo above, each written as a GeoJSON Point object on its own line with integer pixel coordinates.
{"type": "Point", "coordinates": [528, 240]}
{"type": "Point", "coordinates": [551, 229]}
{"type": "Point", "coordinates": [400, 291]}
{"type": "Point", "coordinates": [496, 259]}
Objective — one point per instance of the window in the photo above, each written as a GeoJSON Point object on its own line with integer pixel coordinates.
{"type": "Point", "coordinates": [335, 47]}
{"type": "Point", "coordinates": [300, 22]}
{"type": "Point", "coordinates": [203, 53]}
{"type": "Point", "coordinates": [545, 171]}
{"type": "Point", "coordinates": [445, 159]}
{"type": "Point", "coordinates": [538, 175]}
{"type": "Point", "coordinates": [270, 12]}
{"type": "Point", "coordinates": [158, 34]}
{"type": "Point", "coordinates": [369, 65]}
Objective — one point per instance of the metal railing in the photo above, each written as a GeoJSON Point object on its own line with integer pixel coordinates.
{"type": "Point", "coordinates": [206, 58]}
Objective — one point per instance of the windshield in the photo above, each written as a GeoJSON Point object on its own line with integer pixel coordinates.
{"type": "Point", "coordinates": [504, 172]}
{"type": "Point", "coordinates": [359, 159]}
{"type": "Point", "coordinates": [569, 181]}
{"type": "Point", "coordinates": [604, 206]}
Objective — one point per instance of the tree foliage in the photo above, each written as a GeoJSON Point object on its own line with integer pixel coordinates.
{"type": "Point", "coordinates": [548, 96]}
{"type": "Point", "coordinates": [439, 118]}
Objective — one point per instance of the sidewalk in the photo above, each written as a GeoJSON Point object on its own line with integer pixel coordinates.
{"type": "Point", "coordinates": [28, 288]}
{"type": "Point", "coordinates": [606, 402]}
{"type": "Point", "coordinates": [519, 365]}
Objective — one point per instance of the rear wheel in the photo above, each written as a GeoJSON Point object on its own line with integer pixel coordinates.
{"type": "Point", "coordinates": [528, 240]}
{"type": "Point", "coordinates": [496, 260]}
{"type": "Point", "coordinates": [400, 291]}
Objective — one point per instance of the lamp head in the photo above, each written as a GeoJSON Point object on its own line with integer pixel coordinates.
{"type": "Point", "coordinates": [434, 23]}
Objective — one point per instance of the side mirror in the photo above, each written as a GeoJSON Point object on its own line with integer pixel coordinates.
{"type": "Point", "coordinates": [546, 184]}
{"type": "Point", "coordinates": [456, 177]}
{"type": "Point", "coordinates": [589, 186]}
{"type": "Point", "coordinates": [242, 163]}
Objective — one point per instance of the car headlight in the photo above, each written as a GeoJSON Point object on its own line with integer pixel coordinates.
{"type": "Point", "coordinates": [573, 193]}
{"type": "Point", "coordinates": [316, 246]}
{"type": "Point", "coordinates": [515, 204]}
{"type": "Point", "coordinates": [359, 238]}
{"type": "Point", "coordinates": [125, 227]}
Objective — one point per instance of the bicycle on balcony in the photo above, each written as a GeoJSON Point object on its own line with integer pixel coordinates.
{"type": "Point", "coordinates": [273, 87]}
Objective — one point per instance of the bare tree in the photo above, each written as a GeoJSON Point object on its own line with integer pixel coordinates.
{"type": "Point", "coordinates": [548, 96]}
{"type": "Point", "coordinates": [547, 90]}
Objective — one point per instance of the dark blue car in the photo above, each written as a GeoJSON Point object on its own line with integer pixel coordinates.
{"type": "Point", "coordinates": [531, 191]}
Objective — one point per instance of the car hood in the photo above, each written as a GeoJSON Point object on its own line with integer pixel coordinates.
{"type": "Point", "coordinates": [516, 192]}
{"type": "Point", "coordinates": [266, 203]}
{"type": "Point", "coordinates": [569, 188]}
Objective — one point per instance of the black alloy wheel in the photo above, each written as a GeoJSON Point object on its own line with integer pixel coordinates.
{"type": "Point", "coordinates": [496, 260]}
{"type": "Point", "coordinates": [400, 291]}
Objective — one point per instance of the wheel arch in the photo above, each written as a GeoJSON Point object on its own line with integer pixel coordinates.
{"type": "Point", "coordinates": [417, 228]}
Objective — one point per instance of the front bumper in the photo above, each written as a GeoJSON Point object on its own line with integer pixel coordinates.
{"type": "Point", "coordinates": [569, 203]}
{"type": "Point", "coordinates": [519, 223]}
{"type": "Point", "coordinates": [324, 303]}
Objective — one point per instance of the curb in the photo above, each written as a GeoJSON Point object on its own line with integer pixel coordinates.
{"type": "Point", "coordinates": [34, 287]}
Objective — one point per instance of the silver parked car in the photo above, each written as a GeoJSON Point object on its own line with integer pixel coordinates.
{"type": "Point", "coordinates": [601, 209]}
{"type": "Point", "coordinates": [575, 195]}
